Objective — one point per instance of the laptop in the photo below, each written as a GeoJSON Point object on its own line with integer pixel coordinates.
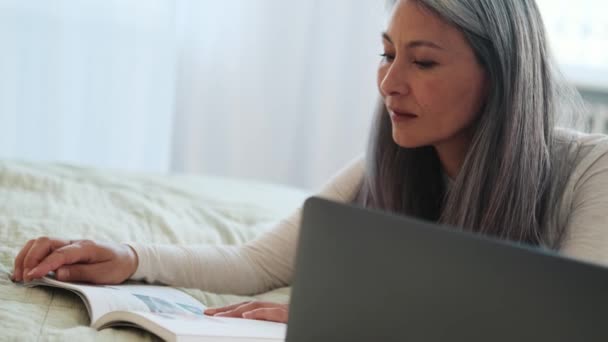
{"type": "Point", "coordinates": [364, 275]}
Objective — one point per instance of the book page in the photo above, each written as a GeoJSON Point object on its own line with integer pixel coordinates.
{"type": "Point", "coordinates": [197, 327]}
{"type": "Point", "coordinates": [101, 299]}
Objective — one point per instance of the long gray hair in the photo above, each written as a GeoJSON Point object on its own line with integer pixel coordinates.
{"type": "Point", "coordinates": [515, 169]}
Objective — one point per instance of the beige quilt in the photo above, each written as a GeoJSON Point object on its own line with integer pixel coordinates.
{"type": "Point", "coordinates": [66, 201]}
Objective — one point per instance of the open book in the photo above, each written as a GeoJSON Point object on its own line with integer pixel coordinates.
{"type": "Point", "coordinates": [164, 311]}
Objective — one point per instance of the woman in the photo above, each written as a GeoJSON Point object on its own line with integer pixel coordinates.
{"type": "Point", "coordinates": [465, 136]}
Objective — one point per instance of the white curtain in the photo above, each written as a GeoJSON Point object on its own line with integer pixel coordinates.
{"type": "Point", "coordinates": [281, 91]}
{"type": "Point", "coordinates": [88, 82]}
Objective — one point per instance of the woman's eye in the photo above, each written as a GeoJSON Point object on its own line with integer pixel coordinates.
{"type": "Point", "coordinates": [425, 64]}
{"type": "Point", "coordinates": [387, 57]}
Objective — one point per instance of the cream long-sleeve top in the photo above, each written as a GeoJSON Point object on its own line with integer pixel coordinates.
{"type": "Point", "coordinates": [267, 262]}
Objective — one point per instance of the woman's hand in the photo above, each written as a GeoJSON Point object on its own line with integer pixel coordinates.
{"type": "Point", "coordinates": [253, 310]}
{"type": "Point", "coordinates": [76, 260]}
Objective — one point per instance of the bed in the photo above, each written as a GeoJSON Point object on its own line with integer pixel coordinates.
{"type": "Point", "coordinates": [60, 200]}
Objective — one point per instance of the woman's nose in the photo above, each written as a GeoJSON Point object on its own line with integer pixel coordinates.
{"type": "Point", "coordinates": [395, 82]}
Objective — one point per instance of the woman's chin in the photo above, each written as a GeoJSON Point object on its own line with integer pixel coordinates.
{"type": "Point", "coordinates": [408, 142]}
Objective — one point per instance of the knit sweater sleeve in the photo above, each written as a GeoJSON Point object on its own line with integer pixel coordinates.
{"type": "Point", "coordinates": [587, 222]}
{"type": "Point", "coordinates": [262, 264]}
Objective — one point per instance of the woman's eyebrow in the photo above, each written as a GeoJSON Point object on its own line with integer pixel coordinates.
{"type": "Point", "coordinates": [427, 43]}
{"type": "Point", "coordinates": [414, 43]}
{"type": "Point", "coordinates": [386, 37]}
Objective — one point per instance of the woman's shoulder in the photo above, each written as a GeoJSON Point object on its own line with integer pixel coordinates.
{"type": "Point", "coordinates": [581, 161]}
{"type": "Point", "coordinates": [583, 149]}
{"type": "Point", "coordinates": [566, 135]}
{"type": "Point", "coordinates": [585, 198]}
{"type": "Point", "coordinates": [344, 184]}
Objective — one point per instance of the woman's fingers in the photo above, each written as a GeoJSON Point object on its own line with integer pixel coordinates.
{"type": "Point", "coordinates": [65, 255]}
{"type": "Point", "coordinates": [278, 314]}
{"type": "Point", "coordinates": [238, 311]}
{"type": "Point", "coordinates": [30, 257]}
{"type": "Point", "coordinates": [253, 310]}
{"type": "Point", "coordinates": [40, 249]}
{"type": "Point", "coordinates": [81, 260]}
{"type": "Point", "coordinates": [18, 267]}
{"type": "Point", "coordinates": [99, 273]}
{"type": "Point", "coordinates": [213, 311]}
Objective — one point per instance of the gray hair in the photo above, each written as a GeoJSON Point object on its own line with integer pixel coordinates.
{"type": "Point", "coordinates": [515, 169]}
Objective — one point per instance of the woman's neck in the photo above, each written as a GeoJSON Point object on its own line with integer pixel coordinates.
{"type": "Point", "coordinates": [452, 152]}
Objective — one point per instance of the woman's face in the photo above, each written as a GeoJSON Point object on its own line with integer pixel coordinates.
{"type": "Point", "coordinates": [429, 78]}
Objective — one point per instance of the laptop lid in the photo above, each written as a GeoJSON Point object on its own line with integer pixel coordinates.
{"type": "Point", "coordinates": [363, 275]}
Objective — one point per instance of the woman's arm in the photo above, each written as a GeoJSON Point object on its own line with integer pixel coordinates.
{"type": "Point", "coordinates": [260, 265]}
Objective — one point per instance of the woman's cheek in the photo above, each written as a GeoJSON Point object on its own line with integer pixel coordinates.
{"type": "Point", "coordinates": [430, 96]}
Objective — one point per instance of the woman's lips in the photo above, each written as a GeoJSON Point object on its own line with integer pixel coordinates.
{"type": "Point", "coordinates": [398, 115]}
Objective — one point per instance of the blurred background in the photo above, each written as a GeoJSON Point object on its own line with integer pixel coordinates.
{"type": "Point", "coordinates": [279, 91]}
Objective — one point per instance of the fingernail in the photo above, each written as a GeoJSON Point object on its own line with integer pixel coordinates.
{"type": "Point", "coordinates": [62, 273]}
{"type": "Point", "coordinates": [246, 315]}
{"type": "Point", "coordinates": [32, 271]}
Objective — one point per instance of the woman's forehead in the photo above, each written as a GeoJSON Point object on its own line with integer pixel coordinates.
{"type": "Point", "coordinates": [410, 21]}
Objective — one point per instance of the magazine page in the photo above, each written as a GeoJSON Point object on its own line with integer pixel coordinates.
{"type": "Point", "coordinates": [197, 327]}
{"type": "Point", "coordinates": [101, 299]}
